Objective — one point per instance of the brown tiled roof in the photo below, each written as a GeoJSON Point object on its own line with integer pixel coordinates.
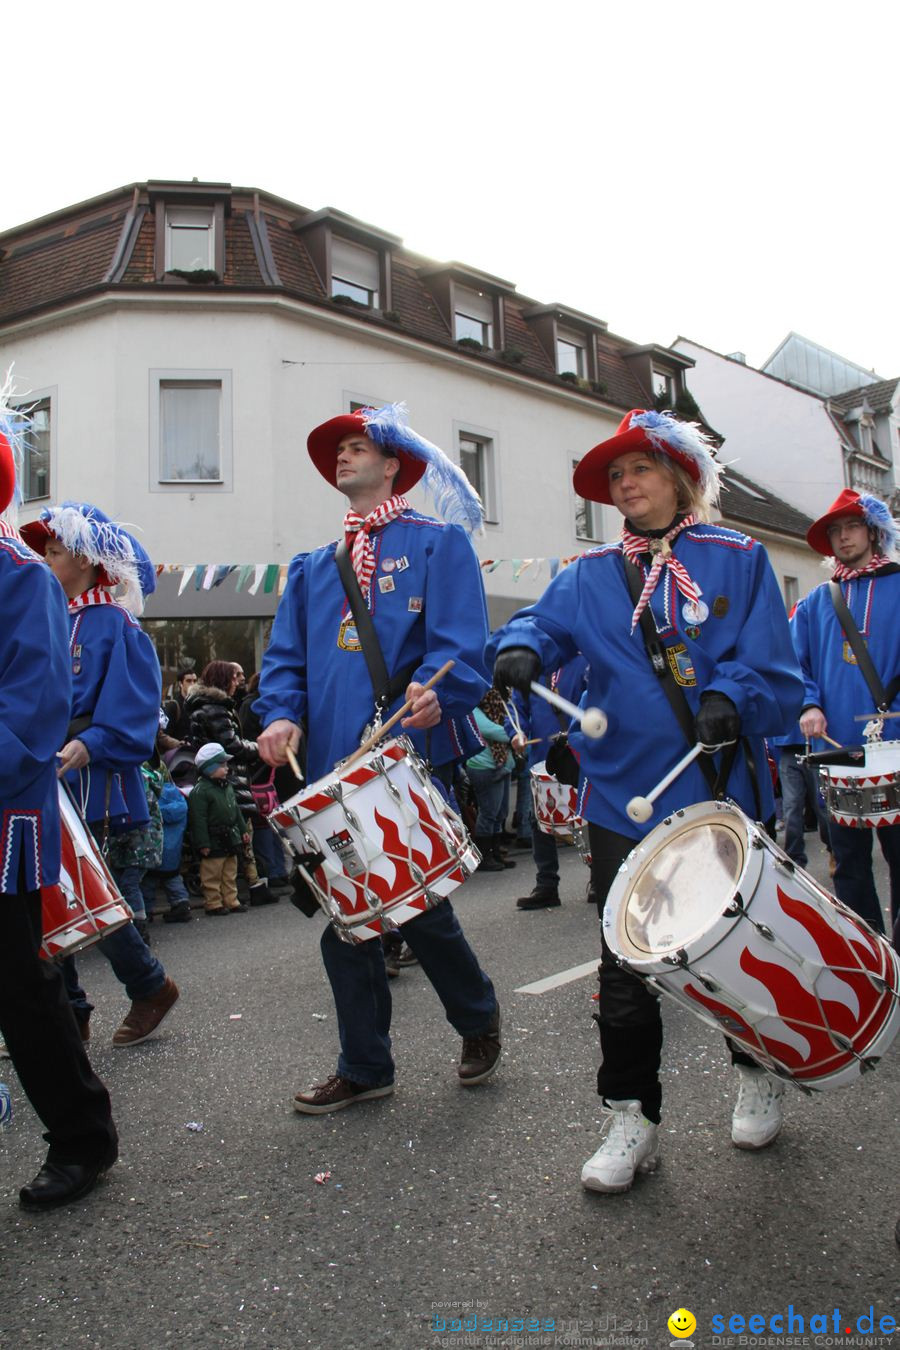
{"type": "Point", "coordinates": [56, 260]}
{"type": "Point", "coordinates": [750, 504]}
{"type": "Point", "coordinates": [59, 264]}
{"type": "Point", "coordinates": [879, 396]}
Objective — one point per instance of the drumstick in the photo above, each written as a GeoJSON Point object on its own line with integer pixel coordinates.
{"type": "Point", "coordinates": [401, 712]}
{"type": "Point", "coordinates": [593, 720]}
{"type": "Point", "coordinates": [640, 809]}
{"type": "Point", "coordinates": [837, 745]}
{"type": "Point", "coordinates": [295, 767]}
{"type": "Point", "coordinates": [874, 717]}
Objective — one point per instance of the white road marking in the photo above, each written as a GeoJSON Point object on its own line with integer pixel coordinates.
{"type": "Point", "coordinates": [564, 977]}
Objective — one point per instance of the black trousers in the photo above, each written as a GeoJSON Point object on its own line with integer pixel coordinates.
{"type": "Point", "coordinates": [44, 1043]}
{"type": "Point", "coordinates": [628, 1013]}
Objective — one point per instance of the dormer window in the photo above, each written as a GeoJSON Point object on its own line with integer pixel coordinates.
{"type": "Point", "coordinates": [190, 239]}
{"type": "Point", "coordinates": [473, 316]}
{"type": "Point", "coordinates": [355, 272]}
{"type": "Point", "coordinates": [571, 356]}
{"type": "Point", "coordinates": [664, 391]}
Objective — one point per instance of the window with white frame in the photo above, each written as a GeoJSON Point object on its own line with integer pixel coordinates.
{"type": "Point", "coordinates": [190, 431]}
{"type": "Point", "coordinates": [791, 592]}
{"type": "Point", "coordinates": [190, 239]}
{"type": "Point", "coordinates": [571, 356]}
{"type": "Point", "coordinates": [476, 459]}
{"type": "Point", "coordinates": [35, 478]}
{"type": "Point", "coordinates": [473, 316]}
{"type": "Point", "coordinates": [355, 272]}
{"type": "Point", "coordinates": [588, 517]}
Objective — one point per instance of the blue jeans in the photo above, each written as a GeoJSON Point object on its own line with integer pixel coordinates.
{"type": "Point", "coordinates": [129, 880]}
{"type": "Point", "coordinates": [173, 885]}
{"type": "Point", "coordinates": [491, 788]}
{"type": "Point", "coordinates": [854, 880]}
{"type": "Point", "coordinates": [363, 1001]}
{"type": "Point", "coordinates": [269, 854]}
{"type": "Point", "coordinates": [798, 786]}
{"type": "Point", "coordinates": [546, 857]}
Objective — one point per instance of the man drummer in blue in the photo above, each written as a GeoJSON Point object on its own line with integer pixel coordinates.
{"type": "Point", "coordinates": [720, 635]}
{"type": "Point", "coordinates": [858, 533]}
{"type": "Point", "coordinates": [116, 686]}
{"type": "Point", "coordinates": [421, 584]}
{"type": "Point", "coordinates": [36, 1021]}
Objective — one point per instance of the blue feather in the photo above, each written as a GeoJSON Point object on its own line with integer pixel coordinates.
{"type": "Point", "coordinates": [878, 517]}
{"type": "Point", "coordinates": [688, 439]}
{"type": "Point", "coordinates": [455, 499]}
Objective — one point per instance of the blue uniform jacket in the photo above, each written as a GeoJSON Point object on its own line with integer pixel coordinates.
{"type": "Point", "coordinates": [832, 679]}
{"type": "Point", "coordinates": [539, 718]}
{"type": "Point", "coordinates": [116, 681]}
{"type": "Point", "coordinates": [427, 603]}
{"type": "Point", "coordinates": [35, 691]}
{"type": "Point", "coordinates": [743, 649]}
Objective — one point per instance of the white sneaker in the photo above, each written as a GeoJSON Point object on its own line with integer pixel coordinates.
{"type": "Point", "coordinates": [758, 1113]}
{"type": "Point", "coordinates": [630, 1146]}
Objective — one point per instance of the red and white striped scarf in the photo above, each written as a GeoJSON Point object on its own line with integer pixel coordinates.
{"type": "Point", "coordinates": [634, 545]}
{"type": "Point", "coordinates": [844, 573]}
{"type": "Point", "coordinates": [97, 595]}
{"type": "Point", "coordinates": [357, 529]}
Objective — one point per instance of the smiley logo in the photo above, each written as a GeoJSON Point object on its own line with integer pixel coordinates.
{"type": "Point", "coordinates": [682, 1323]}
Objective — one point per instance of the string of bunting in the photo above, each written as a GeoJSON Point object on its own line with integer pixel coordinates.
{"type": "Point", "coordinates": [269, 577]}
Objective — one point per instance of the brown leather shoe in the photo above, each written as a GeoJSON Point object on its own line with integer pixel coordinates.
{"type": "Point", "coordinates": [146, 1014]}
{"type": "Point", "coordinates": [480, 1054]}
{"type": "Point", "coordinates": [84, 1028]}
{"type": "Point", "coordinates": [336, 1093]}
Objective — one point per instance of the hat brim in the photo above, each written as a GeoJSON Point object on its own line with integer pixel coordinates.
{"type": "Point", "coordinates": [322, 444]}
{"type": "Point", "coordinates": [817, 534]}
{"type": "Point", "coordinates": [591, 477]}
{"type": "Point", "coordinates": [36, 534]}
{"type": "Point", "coordinates": [7, 473]}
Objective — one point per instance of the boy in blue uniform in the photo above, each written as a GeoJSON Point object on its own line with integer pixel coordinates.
{"type": "Point", "coordinates": [421, 583]}
{"type": "Point", "coordinates": [35, 1018]}
{"type": "Point", "coordinates": [115, 716]}
{"type": "Point", "coordinates": [860, 535]}
{"type": "Point", "coordinates": [719, 621]}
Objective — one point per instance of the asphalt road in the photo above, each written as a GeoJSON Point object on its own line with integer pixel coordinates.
{"type": "Point", "coordinates": [441, 1203]}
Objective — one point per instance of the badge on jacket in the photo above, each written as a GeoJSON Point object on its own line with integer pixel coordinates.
{"type": "Point", "coordinates": [681, 665]}
{"type": "Point", "coordinates": [348, 638]}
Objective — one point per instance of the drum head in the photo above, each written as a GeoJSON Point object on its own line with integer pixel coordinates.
{"type": "Point", "coordinates": [683, 886]}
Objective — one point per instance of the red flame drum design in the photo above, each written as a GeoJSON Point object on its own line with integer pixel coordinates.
{"type": "Point", "coordinates": [555, 804]}
{"type": "Point", "coordinates": [867, 794]}
{"type": "Point", "coordinates": [392, 845]}
{"type": "Point", "coordinates": [712, 913]}
{"type": "Point", "coordinates": [86, 905]}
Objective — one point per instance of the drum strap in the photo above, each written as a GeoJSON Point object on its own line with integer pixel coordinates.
{"type": "Point", "coordinates": [883, 697]}
{"type": "Point", "coordinates": [386, 687]}
{"type": "Point", "coordinates": [677, 701]}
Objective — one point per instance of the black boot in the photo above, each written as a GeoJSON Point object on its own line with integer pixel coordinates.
{"type": "Point", "coordinates": [498, 853]}
{"type": "Point", "coordinates": [484, 844]}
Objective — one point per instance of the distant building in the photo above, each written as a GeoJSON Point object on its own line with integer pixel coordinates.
{"type": "Point", "coordinates": [179, 340]}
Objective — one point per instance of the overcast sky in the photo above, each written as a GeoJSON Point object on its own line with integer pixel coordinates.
{"type": "Point", "coordinates": [723, 171]}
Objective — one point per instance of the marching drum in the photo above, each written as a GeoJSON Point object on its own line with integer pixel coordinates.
{"type": "Point", "coordinates": [865, 791]}
{"type": "Point", "coordinates": [391, 846]}
{"type": "Point", "coordinates": [86, 904]}
{"type": "Point", "coordinates": [711, 912]}
{"type": "Point", "coordinates": [555, 804]}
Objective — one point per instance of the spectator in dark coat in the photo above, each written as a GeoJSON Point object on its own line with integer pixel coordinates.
{"type": "Point", "coordinates": [212, 716]}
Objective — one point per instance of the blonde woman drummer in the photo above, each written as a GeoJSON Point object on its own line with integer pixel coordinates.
{"type": "Point", "coordinates": [719, 622]}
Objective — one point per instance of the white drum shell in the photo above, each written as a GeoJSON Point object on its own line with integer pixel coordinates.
{"type": "Point", "coordinates": [393, 846]}
{"type": "Point", "coordinates": [555, 803]}
{"type": "Point", "coordinates": [865, 795]}
{"type": "Point", "coordinates": [781, 968]}
{"type": "Point", "coordinates": [86, 905]}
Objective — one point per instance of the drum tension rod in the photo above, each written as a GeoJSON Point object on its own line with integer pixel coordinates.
{"type": "Point", "coordinates": [736, 907]}
{"type": "Point", "coordinates": [679, 958]}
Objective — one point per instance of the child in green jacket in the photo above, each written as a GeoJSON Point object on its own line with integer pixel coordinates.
{"type": "Point", "coordinates": [218, 830]}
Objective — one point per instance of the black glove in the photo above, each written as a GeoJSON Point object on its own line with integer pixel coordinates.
{"type": "Point", "coordinates": [718, 720]}
{"type": "Point", "coordinates": [561, 762]}
{"type": "Point", "coordinates": [515, 668]}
